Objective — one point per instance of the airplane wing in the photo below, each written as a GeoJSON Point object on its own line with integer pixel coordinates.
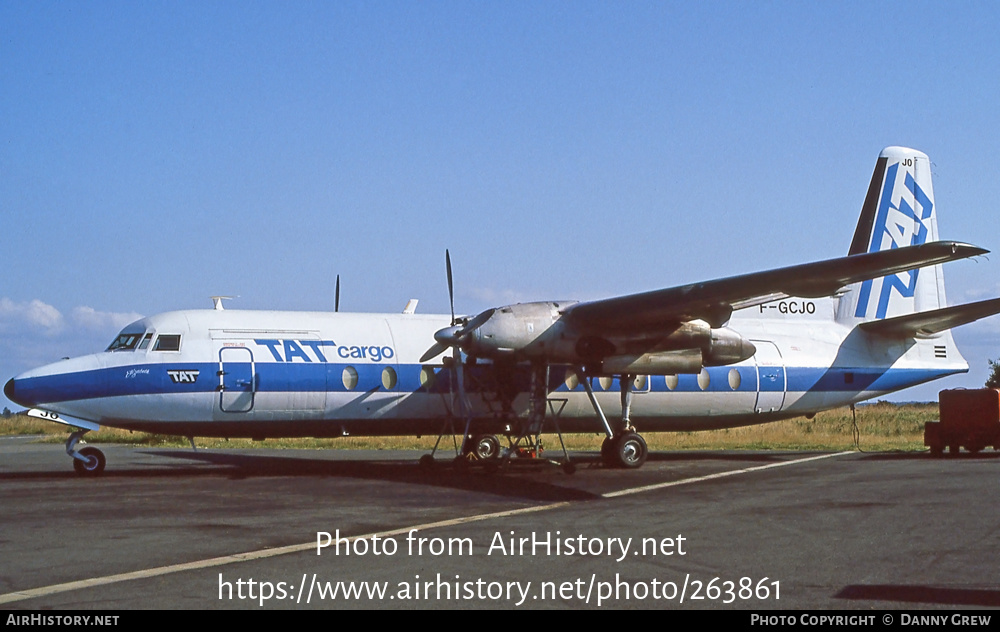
{"type": "Point", "coordinates": [934, 321]}
{"type": "Point", "coordinates": [714, 301]}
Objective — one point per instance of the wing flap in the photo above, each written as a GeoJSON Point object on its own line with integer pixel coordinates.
{"type": "Point", "coordinates": [714, 301]}
{"type": "Point", "coordinates": [925, 324]}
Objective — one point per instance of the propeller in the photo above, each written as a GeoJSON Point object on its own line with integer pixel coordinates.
{"type": "Point", "coordinates": [455, 337]}
{"type": "Point", "coordinates": [459, 332]}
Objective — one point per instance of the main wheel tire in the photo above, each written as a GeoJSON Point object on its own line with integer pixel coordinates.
{"type": "Point", "coordinates": [486, 447]}
{"type": "Point", "coordinates": [630, 450]}
{"type": "Point", "coordinates": [94, 464]}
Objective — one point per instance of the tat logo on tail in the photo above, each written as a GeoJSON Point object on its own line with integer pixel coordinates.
{"type": "Point", "coordinates": [903, 218]}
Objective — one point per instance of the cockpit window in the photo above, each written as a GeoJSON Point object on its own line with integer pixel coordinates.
{"type": "Point", "coordinates": [168, 342]}
{"type": "Point", "coordinates": [145, 341]}
{"type": "Point", "coordinates": [126, 342]}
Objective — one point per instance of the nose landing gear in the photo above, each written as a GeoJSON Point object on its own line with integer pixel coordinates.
{"type": "Point", "coordinates": [88, 461]}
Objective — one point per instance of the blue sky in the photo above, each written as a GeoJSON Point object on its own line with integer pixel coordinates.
{"type": "Point", "coordinates": [154, 154]}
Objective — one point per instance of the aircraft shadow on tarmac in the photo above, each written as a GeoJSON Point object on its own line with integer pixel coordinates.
{"type": "Point", "coordinates": [410, 470]}
{"type": "Point", "coordinates": [243, 465]}
{"type": "Point", "coordinates": [921, 594]}
{"type": "Point", "coordinates": [527, 480]}
{"type": "Point", "coordinates": [239, 466]}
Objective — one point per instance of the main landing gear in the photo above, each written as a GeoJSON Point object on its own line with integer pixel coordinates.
{"type": "Point", "coordinates": [485, 447]}
{"type": "Point", "coordinates": [625, 448]}
{"type": "Point", "coordinates": [622, 448]}
{"type": "Point", "coordinates": [88, 461]}
{"type": "Point", "coordinates": [523, 436]}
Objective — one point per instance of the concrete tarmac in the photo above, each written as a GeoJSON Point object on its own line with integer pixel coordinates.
{"type": "Point", "coordinates": [237, 529]}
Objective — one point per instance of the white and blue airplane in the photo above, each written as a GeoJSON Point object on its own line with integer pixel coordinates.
{"type": "Point", "coordinates": [737, 351]}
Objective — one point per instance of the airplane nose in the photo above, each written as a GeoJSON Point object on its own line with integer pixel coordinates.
{"type": "Point", "coordinates": [18, 396]}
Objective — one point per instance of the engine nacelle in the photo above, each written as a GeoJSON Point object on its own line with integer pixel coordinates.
{"type": "Point", "coordinates": [663, 363]}
{"type": "Point", "coordinates": [728, 347]}
{"type": "Point", "coordinates": [526, 329]}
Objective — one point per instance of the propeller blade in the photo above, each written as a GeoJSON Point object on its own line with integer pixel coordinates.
{"type": "Point", "coordinates": [457, 335]}
{"type": "Point", "coordinates": [436, 349]}
{"type": "Point", "coordinates": [451, 286]}
{"type": "Point", "coordinates": [477, 322]}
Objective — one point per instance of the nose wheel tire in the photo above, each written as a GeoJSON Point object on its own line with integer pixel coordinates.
{"type": "Point", "coordinates": [93, 465]}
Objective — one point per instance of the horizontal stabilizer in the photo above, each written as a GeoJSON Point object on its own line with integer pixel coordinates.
{"type": "Point", "coordinates": [923, 324]}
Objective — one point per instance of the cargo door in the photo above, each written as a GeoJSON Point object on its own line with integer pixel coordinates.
{"type": "Point", "coordinates": [771, 377]}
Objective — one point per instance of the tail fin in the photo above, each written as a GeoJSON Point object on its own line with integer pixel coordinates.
{"type": "Point", "coordinates": [898, 211]}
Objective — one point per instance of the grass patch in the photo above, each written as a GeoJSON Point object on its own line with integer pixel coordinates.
{"type": "Point", "coordinates": [883, 426]}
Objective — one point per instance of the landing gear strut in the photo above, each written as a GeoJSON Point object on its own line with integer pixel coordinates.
{"type": "Point", "coordinates": [625, 448]}
{"type": "Point", "coordinates": [88, 461]}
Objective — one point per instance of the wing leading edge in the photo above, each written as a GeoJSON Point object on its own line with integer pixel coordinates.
{"type": "Point", "coordinates": [714, 301]}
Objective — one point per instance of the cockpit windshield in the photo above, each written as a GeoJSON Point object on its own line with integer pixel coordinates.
{"type": "Point", "coordinates": [126, 341]}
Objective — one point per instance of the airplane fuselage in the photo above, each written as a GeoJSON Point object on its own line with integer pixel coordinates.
{"type": "Point", "coordinates": [262, 374]}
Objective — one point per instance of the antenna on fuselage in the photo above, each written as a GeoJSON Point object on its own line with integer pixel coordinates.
{"type": "Point", "coordinates": [336, 300]}
{"type": "Point", "coordinates": [217, 301]}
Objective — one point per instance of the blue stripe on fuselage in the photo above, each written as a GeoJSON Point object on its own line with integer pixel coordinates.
{"type": "Point", "coordinates": [147, 379]}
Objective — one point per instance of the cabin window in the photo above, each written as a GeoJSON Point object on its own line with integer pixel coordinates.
{"type": "Point", "coordinates": [427, 377]}
{"type": "Point", "coordinates": [734, 379]}
{"type": "Point", "coordinates": [350, 378]}
{"type": "Point", "coordinates": [704, 379]}
{"type": "Point", "coordinates": [572, 380]}
{"type": "Point", "coordinates": [389, 378]}
{"type": "Point", "coordinates": [125, 342]}
{"type": "Point", "coordinates": [168, 342]}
